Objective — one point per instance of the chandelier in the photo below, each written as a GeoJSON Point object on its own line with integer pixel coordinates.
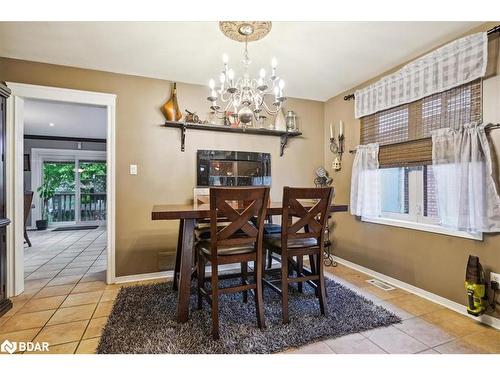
{"type": "Point", "coordinates": [245, 96]}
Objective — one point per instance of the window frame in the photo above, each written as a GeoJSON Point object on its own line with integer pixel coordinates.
{"type": "Point", "coordinates": [415, 219]}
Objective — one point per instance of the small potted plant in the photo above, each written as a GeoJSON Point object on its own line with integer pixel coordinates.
{"type": "Point", "coordinates": [46, 192]}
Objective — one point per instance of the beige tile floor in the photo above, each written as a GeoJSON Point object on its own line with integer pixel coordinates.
{"type": "Point", "coordinates": [67, 302]}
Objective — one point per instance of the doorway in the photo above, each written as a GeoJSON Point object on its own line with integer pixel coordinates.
{"type": "Point", "coordinates": [89, 201]}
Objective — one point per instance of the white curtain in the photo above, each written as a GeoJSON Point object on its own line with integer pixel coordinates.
{"type": "Point", "coordinates": [466, 192]}
{"type": "Point", "coordinates": [452, 65]}
{"type": "Point", "coordinates": [365, 181]}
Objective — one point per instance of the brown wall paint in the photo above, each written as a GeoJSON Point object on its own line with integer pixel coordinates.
{"type": "Point", "coordinates": [167, 175]}
{"type": "Point", "coordinates": [433, 262]}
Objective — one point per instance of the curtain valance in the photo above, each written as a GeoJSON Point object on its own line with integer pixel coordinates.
{"type": "Point", "coordinates": [452, 65]}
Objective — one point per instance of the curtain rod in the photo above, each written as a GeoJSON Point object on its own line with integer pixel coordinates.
{"type": "Point", "coordinates": [495, 29]}
{"type": "Point", "coordinates": [487, 127]}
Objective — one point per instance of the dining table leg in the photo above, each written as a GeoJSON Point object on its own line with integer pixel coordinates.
{"type": "Point", "coordinates": [185, 270]}
{"type": "Point", "coordinates": [178, 253]}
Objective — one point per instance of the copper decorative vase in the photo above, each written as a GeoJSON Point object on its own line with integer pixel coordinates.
{"type": "Point", "coordinates": [171, 109]}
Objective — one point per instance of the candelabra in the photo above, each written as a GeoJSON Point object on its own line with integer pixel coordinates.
{"type": "Point", "coordinates": [337, 146]}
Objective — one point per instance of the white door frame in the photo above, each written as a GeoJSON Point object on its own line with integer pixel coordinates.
{"type": "Point", "coordinates": [39, 155]}
{"type": "Point", "coordinates": [14, 171]}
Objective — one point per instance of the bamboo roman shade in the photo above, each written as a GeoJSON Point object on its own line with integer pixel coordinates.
{"type": "Point", "coordinates": [404, 132]}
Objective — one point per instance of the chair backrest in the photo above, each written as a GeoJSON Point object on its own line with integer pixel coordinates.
{"type": "Point", "coordinates": [311, 216]}
{"type": "Point", "coordinates": [238, 206]}
{"type": "Point", "coordinates": [28, 199]}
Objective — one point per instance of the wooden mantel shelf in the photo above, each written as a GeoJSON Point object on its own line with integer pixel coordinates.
{"type": "Point", "coordinates": [217, 128]}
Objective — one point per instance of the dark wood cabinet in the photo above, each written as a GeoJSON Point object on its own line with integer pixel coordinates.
{"type": "Point", "coordinates": [5, 303]}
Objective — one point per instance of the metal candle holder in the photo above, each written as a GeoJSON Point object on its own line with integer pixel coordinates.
{"type": "Point", "coordinates": [337, 147]}
{"type": "Point", "coordinates": [340, 145]}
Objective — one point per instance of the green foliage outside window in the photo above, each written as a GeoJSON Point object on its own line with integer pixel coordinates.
{"type": "Point", "coordinates": [59, 178]}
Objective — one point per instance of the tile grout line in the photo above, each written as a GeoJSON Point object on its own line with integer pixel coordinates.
{"type": "Point", "coordinates": [91, 317]}
{"type": "Point", "coordinates": [66, 265]}
{"type": "Point", "coordinates": [66, 296]}
{"type": "Point", "coordinates": [64, 249]}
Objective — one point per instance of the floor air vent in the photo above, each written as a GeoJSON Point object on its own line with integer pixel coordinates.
{"type": "Point", "coordinates": [380, 284]}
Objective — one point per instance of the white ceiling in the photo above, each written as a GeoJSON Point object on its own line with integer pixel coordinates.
{"type": "Point", "coordinates": [69, 119]}
{"type": "Point", "coordinates": [317, 60]}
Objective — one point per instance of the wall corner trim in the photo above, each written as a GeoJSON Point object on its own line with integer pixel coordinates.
{"type": "Point", "coordinates": [461, 309]}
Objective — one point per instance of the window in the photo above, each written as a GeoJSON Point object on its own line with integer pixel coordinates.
{"type": "Point", "coordinates": [409, 193]}
{"type": "Point", "coordinates": [409, 200]}
{"type": "Point", "coordinates": [395, 191]}
{"type": "Point", "coordinates": [408, 187]}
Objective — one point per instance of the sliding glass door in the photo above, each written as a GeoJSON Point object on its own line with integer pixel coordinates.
{"type": "Point", "coordinates": [59, 181]}
{"type": "Point", "coordinates": [92, 191]}
{"type": "Point", "coordinates": [77, 184]}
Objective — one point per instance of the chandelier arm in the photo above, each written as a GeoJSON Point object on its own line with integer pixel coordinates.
{"type": "Point", "coordinates": [222, 112]}
{"type": "Point", "coordinates": [270, 111]}
{"type": "Point", "coordinates": [221, 117]}
{"type": "Point", "coordinates": [227, 107]}
{"type": "Point", "coordinates": [223, 99]}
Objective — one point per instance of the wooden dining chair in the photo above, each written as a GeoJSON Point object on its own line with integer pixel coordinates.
{"type": "Point", "coordinates": [295, 243]}
{"type": "Point", "coordinates": [238, 241]}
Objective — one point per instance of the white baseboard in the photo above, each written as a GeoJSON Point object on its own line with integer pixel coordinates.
{"type": "Point", "coordinates": [143, 277]}
{"type": "Point", "coordinates": [166, 274]}
{"type": "Point", "coordinates": [485, 319]}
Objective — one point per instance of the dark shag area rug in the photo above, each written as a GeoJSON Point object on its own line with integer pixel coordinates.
{"type": "Point", "coordinates": [143, 321]}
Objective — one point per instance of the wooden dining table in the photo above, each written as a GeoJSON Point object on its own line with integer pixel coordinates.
{"type": "Point", "coordinates": [188, 214]}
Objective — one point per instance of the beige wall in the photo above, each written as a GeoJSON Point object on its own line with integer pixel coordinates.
{"type": "Point", "coordinates": [429, 261]}
{"type": "Point", "coordinates": [167, 175]}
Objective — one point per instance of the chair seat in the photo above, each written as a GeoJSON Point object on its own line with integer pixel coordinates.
{"type": "Point", "coordinates": [205, 246]}
{"type": "Point", "coordinates": [296, 243]}
{"type": "Point", "coordinates": [272, 228]}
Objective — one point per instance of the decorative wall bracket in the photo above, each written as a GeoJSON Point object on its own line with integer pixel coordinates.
{"type": "Point", "coordinates": [283, 142]}
{"type": "Point", "coordinates": [183, 137]}
{"type": "Point", "coordinates": [184, 126]}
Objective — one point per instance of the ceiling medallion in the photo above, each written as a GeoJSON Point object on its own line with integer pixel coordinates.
{"type": "Point", "coordinates": [245, 31]}
{"type": "Point", "coordinates": [245, 96]}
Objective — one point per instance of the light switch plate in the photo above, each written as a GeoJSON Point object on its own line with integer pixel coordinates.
{"type": "Point", "coordinates": [495, 277]}
{"type": "Point", "coordinates": [133, 169]}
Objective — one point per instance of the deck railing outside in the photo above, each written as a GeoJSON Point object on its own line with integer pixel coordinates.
{"type": "Point", "coordinates": [92, 208]}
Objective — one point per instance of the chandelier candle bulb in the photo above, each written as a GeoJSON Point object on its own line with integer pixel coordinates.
{"type": "Point", "coordinates": [341, 128]}
{"type": "Point", "coordinates": [230, 75]}
{"type": "Point", "coordinates": [331, 131]}
{"type": "Point", "coordinates": [281, 86]}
